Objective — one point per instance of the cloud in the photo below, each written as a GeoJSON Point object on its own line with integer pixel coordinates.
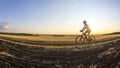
{"type": "Point", "coordinates": [4, 25]}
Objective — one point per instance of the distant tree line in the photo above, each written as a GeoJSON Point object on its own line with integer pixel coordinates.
{"type": "Point", "coordinates": [23, 34]}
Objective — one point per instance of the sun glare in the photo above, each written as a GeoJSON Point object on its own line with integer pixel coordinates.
{"type": "Point", "coordinates": [94, 27]}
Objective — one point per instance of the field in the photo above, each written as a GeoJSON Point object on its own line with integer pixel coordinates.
{"type": "Point", "coordinates": [58, 51]}
{"type": "Point", "coordinates": [53, 39]}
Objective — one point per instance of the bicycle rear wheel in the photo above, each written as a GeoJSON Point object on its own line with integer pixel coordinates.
{"type": "Point", "coordinates": [92, 39]}
{"type": "Point", "coordinates": [79, 39]}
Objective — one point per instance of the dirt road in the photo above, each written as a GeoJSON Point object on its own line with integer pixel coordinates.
{"type": "Point", "coordinates": [102, 55]}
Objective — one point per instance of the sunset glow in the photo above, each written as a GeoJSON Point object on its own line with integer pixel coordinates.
{"type": "Point", "coordinates": [60, 16]}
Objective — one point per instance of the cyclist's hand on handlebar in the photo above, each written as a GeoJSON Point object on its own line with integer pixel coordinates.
{"type": "Point", "coordinates": [81, 30]}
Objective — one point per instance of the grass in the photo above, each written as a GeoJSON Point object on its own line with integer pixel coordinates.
{"type": "Point", "coordinates": [107, 39]}
{"type": "Point", "coordinates": [62, 40]}
{"type": "Point", "coordinates": [39, 42]}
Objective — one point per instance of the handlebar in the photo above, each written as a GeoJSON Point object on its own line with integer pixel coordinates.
{"type": "Point", "coordinates": [81, 30]}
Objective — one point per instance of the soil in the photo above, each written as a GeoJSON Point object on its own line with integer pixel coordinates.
{"type": "Point", "coordinates": [105, 55]}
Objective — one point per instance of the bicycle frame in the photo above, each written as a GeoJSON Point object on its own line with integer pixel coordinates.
{"type": "Point", "coordinates": [82, 39]}
{"type": "Point", "coordinates": [84, 35]}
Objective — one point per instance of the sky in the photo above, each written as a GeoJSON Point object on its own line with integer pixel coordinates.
{"type": "Point", "coordinates": [59, 16]}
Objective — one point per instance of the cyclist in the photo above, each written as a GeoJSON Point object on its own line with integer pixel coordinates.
{"type": "Point", "coordinates": [86, 29]}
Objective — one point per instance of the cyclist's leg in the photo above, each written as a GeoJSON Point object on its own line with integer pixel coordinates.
{"type": "Point", "coordinates": [85, 34]}
{"type": "Point", "coordinates": [89, 33]}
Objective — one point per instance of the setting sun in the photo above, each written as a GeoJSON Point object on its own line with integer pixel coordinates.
{"type": "Point", "coordinates": [95, 27]}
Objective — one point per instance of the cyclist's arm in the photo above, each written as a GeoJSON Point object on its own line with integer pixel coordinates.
{"type": "Point", "coordinates": [83, 28]}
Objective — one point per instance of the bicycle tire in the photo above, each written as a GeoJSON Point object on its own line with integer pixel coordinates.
{"type": "Point", "coordinates": [79, 39]}
{"type": "Point", "coordinates": [92, 39]}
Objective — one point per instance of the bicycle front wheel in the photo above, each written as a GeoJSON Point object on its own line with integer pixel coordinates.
{"type": "Point", "coordinates": [79, 40]}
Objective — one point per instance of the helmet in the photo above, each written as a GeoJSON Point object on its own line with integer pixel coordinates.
{"type": "Point", "coordinates": [84, 22]}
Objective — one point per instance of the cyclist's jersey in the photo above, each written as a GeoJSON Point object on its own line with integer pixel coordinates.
{"type": "Point", "coordinates": [86, 28]}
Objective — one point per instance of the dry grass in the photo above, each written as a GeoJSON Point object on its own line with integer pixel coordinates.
{"type": "Point", "coordinates": [55, 38]}
{"type": "Point", "coordinates": [42, 37]}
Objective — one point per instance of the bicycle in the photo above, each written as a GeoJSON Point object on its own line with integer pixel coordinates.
{"type": "Point", "coordinates": [80, 39]}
